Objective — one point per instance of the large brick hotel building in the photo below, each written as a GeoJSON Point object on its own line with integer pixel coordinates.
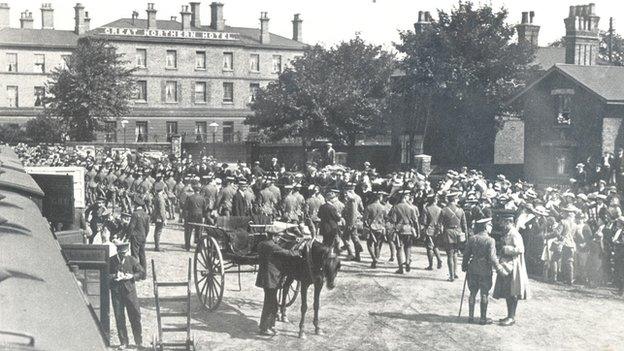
{"type": "Point", "coordinates": [189, 75]}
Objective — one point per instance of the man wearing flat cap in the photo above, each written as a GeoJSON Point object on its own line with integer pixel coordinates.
{"type": "Point", "coordinates": [124, 270]}
{"type": "Point", "coordinates": [479, 259]}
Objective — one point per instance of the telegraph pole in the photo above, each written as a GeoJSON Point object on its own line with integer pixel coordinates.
{"type": "Point", "coordinates": [611, 30]}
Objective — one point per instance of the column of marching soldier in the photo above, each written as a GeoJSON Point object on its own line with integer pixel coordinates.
{"type": "Point", "coordinates": [570, 234]}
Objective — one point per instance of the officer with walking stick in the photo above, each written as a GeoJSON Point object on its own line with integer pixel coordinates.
{"type": "Point", "coordinates": [479, 259]}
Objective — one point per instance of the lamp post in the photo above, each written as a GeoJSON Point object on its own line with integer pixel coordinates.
{"type": "Point", "coordinates": [214, 126]}
{"type": "Point", "coordinates": [124, 122]}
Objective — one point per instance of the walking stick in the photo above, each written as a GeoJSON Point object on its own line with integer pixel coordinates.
{"type": "Point", "coordinates": [461, 303]}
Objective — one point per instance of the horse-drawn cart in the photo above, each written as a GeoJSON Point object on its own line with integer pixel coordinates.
{"type": "Point", "coordinates": [226, 248]}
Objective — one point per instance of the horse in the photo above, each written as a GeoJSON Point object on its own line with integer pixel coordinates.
{"type": "Point", "coordinates": [317, 266]}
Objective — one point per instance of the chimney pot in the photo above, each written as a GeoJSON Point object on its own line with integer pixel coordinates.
{"type": "Point", "coordinates": [174, 18]}
{"type": "Point", "coordinates": [185, 15]}
{"type": "Point", "coordinates": [420, 16]}
{"type": "Point", "coordinates": [531, 16]}
{"type": "Point", "coordinates": [427, 16]}
{"type": "Point", "coordinates": [26, 20]}
{"type": "Point", "coordinates": [525, 17]}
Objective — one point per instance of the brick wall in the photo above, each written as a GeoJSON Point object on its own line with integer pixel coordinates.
{"type": "Point", "coordinates": [509, 143]}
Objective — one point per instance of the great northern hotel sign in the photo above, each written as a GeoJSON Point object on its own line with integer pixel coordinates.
{"type": "Point", "coordinates": [167, 33]}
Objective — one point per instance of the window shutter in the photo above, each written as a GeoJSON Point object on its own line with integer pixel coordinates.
{"type": "Point", "coordinates": [179, 91]}
{"type": "Point", "coordinates": [163, 91]}
{"type": "Point", "coordinates": [193, 92]}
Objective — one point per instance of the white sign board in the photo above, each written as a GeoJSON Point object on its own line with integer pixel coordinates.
{"type": "Point", "coordinates": [78, 176]}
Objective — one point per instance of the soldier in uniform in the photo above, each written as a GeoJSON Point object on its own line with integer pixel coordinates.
{"type": "Point", "coordinates": [123, 272]}
{"type": "Point", "coordinates": [329, 221]}
{"type": "Point", "coordinates": [170, 195]}
{"type": "Point", "coordinates": [194, 209]}
{"type": "Point", "coordinates": [268, 201]}
{"type": "Point", "coordinates": [313, 203]}
{"type": "Point", "coordinates": [404, 216]}
{"type": "Point", "coordinates": [292, 205]}
{"type": "Point", "coordinates": [514, 286]}
{"type": "Point", "coordinates": [224, 199]}
{"type": "Point", "coordinates": [159, 214]}
{"type": "Point", "coordinates": [431, 229]}
{"type": "Point", "coordinates": [454, 228]}
{"type": "Point", "coordinates": [352, 215]}
{"type": "Point", "coordinates": [374, 220]}
{"type": "Point", "coordinates": [479, 259]}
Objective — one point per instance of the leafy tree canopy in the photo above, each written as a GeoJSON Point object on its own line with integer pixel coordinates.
{"type": "Point", "coordinates": [460, 71]}
{"type": "Point", "coordinates": [94, 87]}
{"type": "Point", "coordinates": [337, 93]}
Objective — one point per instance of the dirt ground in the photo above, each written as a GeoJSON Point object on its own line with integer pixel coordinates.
{"type": "Point", "coordinates": [379, 310]}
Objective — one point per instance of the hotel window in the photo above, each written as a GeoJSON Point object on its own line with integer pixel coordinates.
{"type": "Point", "coordinates": [200, 131]}
{"type": "Point", "coordinates": [12, 96]}
{"type": "Point", "coordinates": [172, 128]}
{"type": "Point", "coordinates": [141, 58]}
{"type": "Point", "coordinates": [277, 63]}
{"type": "Point", "coordinates": [141, 132]}
{"type": "Point", "coordinates": [39, 96]}
{"type": "Point", "coordinates": [228, 61]}
{"type": "Point", "coordinates": [11, 62]}
{"type": "Point", "coordinates": [172, 59]}
{"type": "Point", "coordinates": [253, 91]}
{"type": "Point", "coordinates": [254, 63]}
{"type": "Point", "coordinates": [200, 60]}
{"type": "Point", "coordinates": [228, 92]}
{"type": "Point", "coordinates": [110, 131]}
{"type": "Point", "coordinates": [171, 91]}
{"type": "Point", "coordinates": [562, 163]}
{"type": "Point", "coordinates": [228, 132]}
{"type": "Point", "coordinates": [39, 63]}
{"type": "Point", "coordinates": [562, 104]}
{"type": "Point", "coordinates": [140, 93]}
{"type": "Point", "coordinates": [200, 92]}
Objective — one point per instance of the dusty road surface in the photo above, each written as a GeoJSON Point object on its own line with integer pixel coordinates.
{"type": "Point", "coordinates": [379, 310]}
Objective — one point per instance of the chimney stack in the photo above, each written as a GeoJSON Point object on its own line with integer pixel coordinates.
{"type": "Point", "coordinates": [185, 15]}
{"type": "Point", "coordinates": [5, 15]}
{"type": "Point", "coordinates": [87, 22]}
{"type": "Point", "coordinates": [195, 15]}
{"type": "Point", "coordinates": [26, 20]}
{"type": "Point", "coordinates": [527, 31]}
{"type": "Point", "coordinates": [424, 21]}
{"type": "Point", "coordinates": [47, 16]}
{"type": "Point", "coordinates": [265, 36]}
{"type": "Point", "coordinates": [174, 18]}
{"type": "Point", "coordinates": [79, 19]}
{"type": "Point", "coordinates": [297, 28]}
{"type": "Point", "coordinates": [135, 15]}
{"type": "Point", "coordinates": [151, 16]}
{"type": "Point", "coordinates": [216, 16]}
{"type": "Point", "coordinates": [582, 38]}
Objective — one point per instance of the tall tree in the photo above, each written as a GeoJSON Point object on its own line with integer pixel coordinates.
{"type": "Point", "coordinates": [95, 86]}
{"type": "Point", "coordinates": [337, 93]}
{"type": "Point", "coordinates": [460, 70]}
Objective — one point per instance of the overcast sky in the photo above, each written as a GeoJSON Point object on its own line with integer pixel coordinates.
{"type": "Point", "coordinates": [324, 21]}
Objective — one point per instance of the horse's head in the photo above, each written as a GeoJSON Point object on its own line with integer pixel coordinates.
{"type": "Point", "coordinates": [330, 269]}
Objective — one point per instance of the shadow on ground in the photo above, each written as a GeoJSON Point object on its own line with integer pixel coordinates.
{"type": "Point", "coordinates": [422, 317]}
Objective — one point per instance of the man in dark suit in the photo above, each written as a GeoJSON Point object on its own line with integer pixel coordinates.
{"type": "Point", "coordinates": [137, 231]}
{"type": "Point", "coordinates": [479, 259]}
{"type": "Point", "coordinates": [329, 219]}
{"type": "Point", "coordinates": [239, 203]}
{"type": "Point", "coordinates": [268, 279]}
{"type": "Point", "coordinates": [194, 208]}
{"type": "Point", "coordinates": [124, 270]}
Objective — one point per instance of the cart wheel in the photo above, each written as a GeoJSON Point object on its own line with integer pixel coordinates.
{"type": "Point", "coordinates": [209, 273]}
{"type": "Point", "coordinates": [291, 295]}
